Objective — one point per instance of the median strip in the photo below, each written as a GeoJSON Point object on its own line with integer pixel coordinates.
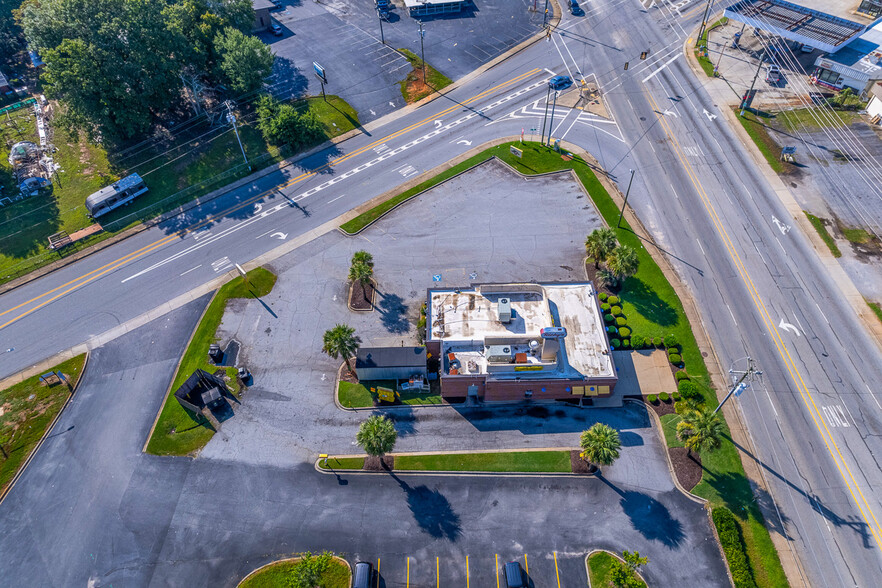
{"type": "Point", "coordinates": [541, 461]}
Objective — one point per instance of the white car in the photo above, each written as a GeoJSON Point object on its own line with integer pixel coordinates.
{"type": "Point", "coordinates": [806, 48]}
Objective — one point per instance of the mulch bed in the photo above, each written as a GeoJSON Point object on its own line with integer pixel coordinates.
{"type": "Point", "coordinates": [361, 297]}
{"type": "Point", "coordinates": [687, 468]}
{"type": "Point", "coordinates": [660, 407]}
{"type": "Point", "coordinates": [591, 272]}
{"type": "Point", "coordinates": [347, 376]}
{"type": "Point", "coordinates": [579, 465]}
{"type": "Point", "coordinates": [374, 464]}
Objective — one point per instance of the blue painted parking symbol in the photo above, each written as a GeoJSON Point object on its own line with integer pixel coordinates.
{"type": "Point", "coordinates": [436, 278]}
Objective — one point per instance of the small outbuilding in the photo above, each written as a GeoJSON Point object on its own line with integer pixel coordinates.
{"type": "Point", "coordinates": [390, 363]}
{"type": "Point", "coordinates": [262, 18]}
{"type": "Point", "coordinates": [201, 390]}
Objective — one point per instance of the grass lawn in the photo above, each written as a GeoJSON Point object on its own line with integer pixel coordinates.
{"type": "Point", "coordinates": [703, 60]}
{"type": "Point", "coordinates": [876, 308]}
{"type": "Point", "coordinates": [669, 428]}
{"type": "Point", "coordinates": [821, 228]}
{"type": "Point", "coordinates": [855, 235]}
{"type": "Point", "coordinates": [176, 431]}
{"type": "Point", "coordinates": [358, 395]}
{"type": "Point", "coordinates": [515, 461]}
{"type": "Point", "coordinates": [758, 132]}
{"type": "Point", "coordinates": [653, 310]}
{"type": "Point", "coordinates": [192, 164]}
{"type": "Point", "coordinates": [343, 463]}
{"type": "Point", "coordinates": [412, 87]}
{"type": "Point", "coordinates": [277, 575]}
{"type": "Point", "coordinates": [599, 565]}
{"type": "Point", "coordinates": [801, 119]}
{"type": "Point", "coordinates": [28, 409]}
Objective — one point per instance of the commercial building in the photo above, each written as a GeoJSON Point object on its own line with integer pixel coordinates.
{"type": "Point", "coordinates": [262, 19]}
{"type": "Point", "coordinates": [420, 8]}
{"type": "Point", "coordinates": [858, 65]}
{"type": "Point", "coordinates": [520, 341]}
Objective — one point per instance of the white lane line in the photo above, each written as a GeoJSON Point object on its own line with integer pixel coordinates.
{"type": "Point", "coordinates": [700, 247]}
{"type": "Point", "coordinates": [576, 65]}
{"type": "Point", "coordinates": [192, 269]}
{"type": "Point", "coordinates": [873, 396]}
{"type": "Point", "coordinates": [667, 63]}
{"type": "Point", "coordinates": [732, 315]}
{"type": "Point", "coordinates": [264, 234]}
{"type": "Point", "coordinates": [563, 120]}
{"type": "Point", "coordinates": [336, 199]}
{"type": "Point", "coordinates": [821, 312]}
{"type": "Point", "coordinates": [849, 414]}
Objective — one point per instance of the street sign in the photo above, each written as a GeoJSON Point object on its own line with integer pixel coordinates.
{"type": "Point", "coordinates": [516, 152]}
{"type": "Point", "coordinates": [789, 150]}
{"type": "Point", "coordinates": [319, 72]}
{"type": "Point", "coordinates": [739, 389]}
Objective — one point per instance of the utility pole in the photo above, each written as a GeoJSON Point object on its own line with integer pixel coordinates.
{"type": "Point", "coordinates": [423, 52]}
{"type": "Point", "coordinates": [703, 22]}
{"type": "Point", "coordinates": [740, 386]}
{"type": "Point", "coordinates": [380, 18]}
{"type": "Point", "coordinates": [231, 118]}
{"type": "Point", "coordinates": [551, 123]}
{"type": "Point", "coordinates": [545, 116]}
{"type": "Point", "coordinates": [753, 83]}
{"type": "Point", "coordinates": [545, 15]}
{"type": "Point", "coordinates": [625, 203]}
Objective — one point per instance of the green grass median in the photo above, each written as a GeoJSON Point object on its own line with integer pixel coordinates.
{"type": "Point", "coordinates": [28, 409]}
{"type": "Point", "coordinates": [826, 237]}
{"type": "Point", "coordinates": [177, 432]}
{"type": "Point", "coordinates": [599, 565]}
{"type": "Point", "coordinates": [653, 310]}
{"type": "Point", "coordinates": [280, 574]}
{"type": "Point", "coordinates": [554, 461]}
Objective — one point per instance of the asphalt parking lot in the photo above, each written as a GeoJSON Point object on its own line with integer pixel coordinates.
{"type": "Point", "coordinates": [344, 38]}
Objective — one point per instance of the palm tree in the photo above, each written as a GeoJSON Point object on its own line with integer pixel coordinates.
{"type": "Point", "coordinates": [700, 431]}
{"type": "Point", "coordinates": [362, 273]}
{"type": "Point", "coordinates": [623, 262]}
{"type": "Point", "coordinates": [599, 244]}
{"type": "Point", "coordinates": [341, 340]}
{"type": "Point", "coordinates": [600, 444]}
{"type": "Point", "coordinates": [363, 257]}
{"type": "Point", "coordinates": [376, 436]}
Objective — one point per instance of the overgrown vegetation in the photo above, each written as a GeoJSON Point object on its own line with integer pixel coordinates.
{"type": "Point", "coordinates": [413, 87]}
{"type": "Point", "coordinates": [701, 51]}
{"type": "Point", "coordinates": [653, 310]}
{"type": "Point", "coordinates": [758, 132]}
{"type": "Point", "coordinates": [177, 431]}
{"type": "Point", "coordinates": [821, 227]}
{"type": "Point", "coordinates": [307, 571]}
{"type": "Point", "coordinates": [733, 547]}
{"type": "Point", "coordinates": [876, 308]}
{"type": "Point", "coordinates": [27, 410]}
{"type": "Point", "coordinates": [813, 118]}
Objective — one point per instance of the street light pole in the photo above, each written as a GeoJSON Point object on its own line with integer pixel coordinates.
{"type": "Point", "coordinates": [551, 123]}
{"type": "Point", "coordinates": [545, 116]}
{"type": "Point", "coordinates": [625, 203]}
{"type": "Point", "coordinates": [423, 52]}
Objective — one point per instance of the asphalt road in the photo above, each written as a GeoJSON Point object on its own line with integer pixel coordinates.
{"type": "Point", "coordinates": [761, 289]}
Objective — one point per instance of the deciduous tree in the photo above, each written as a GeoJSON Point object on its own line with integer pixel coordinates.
{"type": "Point", "coordinates": [243, 61]}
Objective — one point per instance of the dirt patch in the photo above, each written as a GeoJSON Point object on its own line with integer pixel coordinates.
{"type": "Point", "coordinates": [686, 467]}
{"type": "Point", "coordinates": [361, 296]}
{"type": "Point", "coordinates": [579, 465]}
{"type": "Point", "coordinates": [660, 408]}
{"type": "Point", "coordinates": [416, 86]}
{"type": "Point", "coordinates": [375, 464]}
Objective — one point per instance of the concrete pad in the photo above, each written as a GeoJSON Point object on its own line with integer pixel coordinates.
{"type": "Point", "coordinates": [644, 372]}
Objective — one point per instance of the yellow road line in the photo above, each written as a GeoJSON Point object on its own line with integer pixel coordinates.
{"type": "Point", "coordinates": [408, 572]}
{"type": "Point", "coordinates": [437, 574]}
{"type": "Point", "coordinates": [497, 570]}
{"type": "Point", "coordinates": [781, 347]}
{"type": "Point", "coordinates": [304, 176]}
{"type": "Point", "coordinates": [556, 572]}
{"type": "Point", "coordinates": [526, 565]}
{"type": "Point", "coordinates": [467, 571]}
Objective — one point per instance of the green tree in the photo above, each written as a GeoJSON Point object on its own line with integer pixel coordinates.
{"type": "Point", "coordinates": [244, 61]}
{"type": "Point", "coordinates": [700, 430]}
{"type": "Point", "coordinates": [600, 444]}
{"type": "Point", "coordinates": [376, 436]}
{"type": "Point", "coordinates": [599, 244]}
{"type": "Point", "coordinates": [363, 257]}
{"type": "Point", "coordinates": [308, 571]}
{"type": "Point", "coordinates": [623, 262]}
{"type": "Point", "coordinates": [282, 124]}
{"type": "Point", "coordinates": [200, 22]}
{"type": "Point", "coordinates": [341, 341]}
{"type": "Point", "coordinates": [624, 574]}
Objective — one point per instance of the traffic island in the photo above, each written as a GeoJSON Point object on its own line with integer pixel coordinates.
{"type": "Point", "coordinates": [556, 461]}
{"type": "Point", "coordinates": [336, 572]}
{"type": "Point", "coordinates": [180, 429]}
{"type": "Point", "coordinates": [422, 80]}
{"type": "Point", "coordinates": [599, 564]}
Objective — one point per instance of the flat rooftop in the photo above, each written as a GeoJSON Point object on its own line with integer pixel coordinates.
{"type": "Point", "coordinates": [470, 315]}
{"type": "Point", "coordinates": [796, 23]}
{"type": "Point", "coordinates": [863, 54]}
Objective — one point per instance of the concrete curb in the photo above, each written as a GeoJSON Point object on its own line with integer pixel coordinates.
{"type": "Point", "coordinates": [46, 434]}
{"type": "Point", "coordinates": [294, 559]}
{"type": "Point", "coordinates": [373, 297]}
{"type": "Point", "coordinates": [175, 375]}
{"type": "Point", "coordinates": [593, 551]}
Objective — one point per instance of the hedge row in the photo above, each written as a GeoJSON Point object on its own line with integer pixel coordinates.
{"type": "Point", "coordinates": [733, 547]}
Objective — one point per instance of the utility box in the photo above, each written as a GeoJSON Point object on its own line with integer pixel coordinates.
{"type": "Point", "coordinates": [503, 310]}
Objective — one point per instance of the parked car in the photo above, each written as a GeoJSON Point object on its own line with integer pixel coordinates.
{"type": "Point", "coordinates": [560, 82]}
{"type": "Point", "coordinates": [773, 74]}
{"type": "Point", "coordinates": [277, 29]}
{"type": "Point", "coordinates": [514, 575]}
{"type": "Point", "coordinates": [806, 48]}
{"type": "Point", "coordinates": [575, 9]}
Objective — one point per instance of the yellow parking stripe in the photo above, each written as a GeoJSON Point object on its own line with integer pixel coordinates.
{"type": "Point", "coordinates": [467, 571]}
{"type": "Point", "coordinates": [556, 573]}
{"type": "Point", "coordinates": [408, 572]}
{"type": "Point", "coordinates": [526, 565]}
{"type": "Point", "coordinates": [378, 572]}
{"type": "Point", "coordinates": [497, 570]}
{"type": "Point", "coordinates": [437, 574]}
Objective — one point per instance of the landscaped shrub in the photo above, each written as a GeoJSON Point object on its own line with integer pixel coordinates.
{"type": "Point", "coordinates": [676, 359]}
{"type": "Point", "coordinates": [652, 398]}
{"type": "Point", "coordinates": [603, 296]}
{"type": "Point", "coordinates": [638, 342]}
{"type": "Point", "coordinates": [615, 343]}
{"type": "Point", "coordinates": [664, 396]}
{"type": "Point", "coordinates": [609, 318]}
{"type": "Point", "coordinates": [626, 343]}
{"type": "Point", "coordinates": [681, 375]}
{"type": "Point", "coordinates": [616, 311]}
{"type": "Point", "coordinates": [676, 396]}
{"type": "Point", "coordinates": [605, 308]}
{"type": "Point", "coordinates": [625, 332]}
{"type": "Point", "coordinates": [671, 341]}
{"type": "Point", "coordinates": [733, 546]}
{"type": "Point", "coordinates": [680, 407]}
{"type": "Point", "coordinates": [621, 321]}
{"type": "Point", "coordinates": [613, 299]}
{"type": "Point", "coordinates": [612, 329]}
{"type": "Point", "coordinates": [688, 390]}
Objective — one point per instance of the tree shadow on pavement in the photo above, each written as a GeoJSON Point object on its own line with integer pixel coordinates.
{"type": "Point", "coordinates": [649, 517]}
{"type": "Point", "coordinates": [393, 312]}
{"type": "Point", "coordinates": [431, 510]}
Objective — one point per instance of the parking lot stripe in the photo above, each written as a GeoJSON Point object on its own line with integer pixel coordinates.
{"type": "Point", "coordinates": [437, 573]}
{"type": "Point", "coordinates": [556, 572]}
{"type": "Point", "coordinates": [526, 565]}
{"type": "Point", "coordinates": [497, 570]}
{"type": "Point", "coordinates": [467, 571]}
{"type": "Point", "coordinates": [408, 572]}
{"type": "Point", "coordinates": [378, 572]}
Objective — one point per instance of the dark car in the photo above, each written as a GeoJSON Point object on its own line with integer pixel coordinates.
{"type": "Point", "coordinates": [277, 29]}
{"type": "Point", "coordinates": [363, 575]}
{"type": "Point", "coordinates": [560, 82]}
{"type": "Point", "coordinates": [514, 575]}
{"type": "Point", "coordinates": [575, 9]}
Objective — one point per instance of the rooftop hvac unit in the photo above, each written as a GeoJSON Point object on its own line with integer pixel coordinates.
{"type": "Point", "coordinates": [503, 309]}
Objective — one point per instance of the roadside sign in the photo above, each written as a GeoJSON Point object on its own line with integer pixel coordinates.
{"type": "Point", "coordinates": [739, 389]}
{"type": "Point", "coordinates": [319, 72]}
{"type": "Point", "coordinates": [516, 152]}
{"type": "Point", "coordinates": [789, 150]}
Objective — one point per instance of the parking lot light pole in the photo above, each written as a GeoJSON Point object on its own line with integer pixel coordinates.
{"type": "Point", "coordinates": [545, 116]}
{"type": "Point", "coordinates": [380, 18]}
